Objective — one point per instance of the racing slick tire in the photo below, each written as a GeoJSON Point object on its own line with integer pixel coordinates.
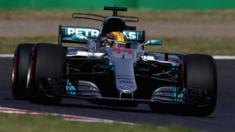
{"type": "Point", "coordinates": [20, 70]}
{"type": "Point", "coordinates": [200, 79]}
{"type": "Point", "coordinates": [47, 62]}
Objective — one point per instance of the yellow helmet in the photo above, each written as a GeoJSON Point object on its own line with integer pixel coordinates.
{"type": "Point", "coordinates": [118, 36]}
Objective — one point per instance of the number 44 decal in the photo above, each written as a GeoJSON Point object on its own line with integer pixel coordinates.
{"type": "Point", "coordinates": [119, 51]}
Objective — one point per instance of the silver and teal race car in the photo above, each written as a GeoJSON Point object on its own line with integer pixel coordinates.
{"type": "Point", "coordinates": [112, 68]}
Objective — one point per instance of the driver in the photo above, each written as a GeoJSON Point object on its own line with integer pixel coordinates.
{"type": "Point", "coordinates": [115, 39]}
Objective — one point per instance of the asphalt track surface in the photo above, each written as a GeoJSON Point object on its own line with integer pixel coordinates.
{"type": "Point", "coordinates": [223, 118]}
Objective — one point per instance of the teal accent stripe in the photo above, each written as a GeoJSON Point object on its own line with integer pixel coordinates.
{"type": "Point", "coordinates": [71, 90]}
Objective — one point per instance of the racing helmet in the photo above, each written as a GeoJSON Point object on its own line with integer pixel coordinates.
{"type": "Point", "coordinates": [116, 38]}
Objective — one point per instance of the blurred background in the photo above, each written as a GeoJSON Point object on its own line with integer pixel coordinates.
{"type": "Point", "coordinates": [188, 26]}
{"type": "Point", "coordinates": [134, 4]}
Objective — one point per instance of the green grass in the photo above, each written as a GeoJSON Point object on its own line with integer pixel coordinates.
{"type": "Point", "coordinates": [185, 15]}
{"type": "Point", "coordinates": [166, 15]}
{"type": "Point", "coordinates": [8, 44]}
{"type": "Point", "coordinates": [219, 46]}
{"type": "Point", "coordinates": [27, 123]}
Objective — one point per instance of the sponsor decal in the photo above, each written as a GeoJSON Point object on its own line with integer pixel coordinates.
{"type": "Point", "coordinates": [81, 32]}
{"type": "Point", "coordinates": [130, 35]}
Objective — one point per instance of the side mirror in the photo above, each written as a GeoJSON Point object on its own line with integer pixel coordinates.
{"type": "Point", "coordinates": [153, 42]}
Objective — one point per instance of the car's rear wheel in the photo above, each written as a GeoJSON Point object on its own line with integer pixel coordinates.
{"type": "Point", "coordinates": [47, 62]}
{"type": "Point", "coordinates": [20, 70]}
{"type": "Point", "coordinates": [201, 80]}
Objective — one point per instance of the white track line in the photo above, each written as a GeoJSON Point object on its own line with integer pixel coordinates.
{"type": "Point", "coordinates": [6, 55]}
{"type": "Point", "coordinates": [65, 116]}
{"type": "Point", "coordinates": [224, 57]}
{"type": "Point", "coordinates": [217, 57]}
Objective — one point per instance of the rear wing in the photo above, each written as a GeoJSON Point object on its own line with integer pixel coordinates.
{"type": "Point", "coordinates": [73, 34]}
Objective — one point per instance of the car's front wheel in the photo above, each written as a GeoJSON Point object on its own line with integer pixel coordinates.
{"type": "Point", "coordinates": [200, 79]}
{"type": "Point", "coordinates": [47, 62]}
{"type": "Point", "coordinates": [20, 70]}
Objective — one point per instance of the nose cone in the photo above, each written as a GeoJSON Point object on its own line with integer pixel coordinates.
{"type": "Point", "coordinates": [123, 63]}
{"type": "Point", "coordinates": [126, 85]}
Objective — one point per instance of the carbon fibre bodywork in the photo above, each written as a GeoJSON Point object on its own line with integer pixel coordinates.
{"type": "Point", "coordinates": [130, 77]}
{"type": "Point", "coordinates": [113, 67]}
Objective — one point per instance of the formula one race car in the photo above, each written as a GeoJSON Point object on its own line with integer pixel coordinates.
{"type": "Point", "coordinates": [112, 68]}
